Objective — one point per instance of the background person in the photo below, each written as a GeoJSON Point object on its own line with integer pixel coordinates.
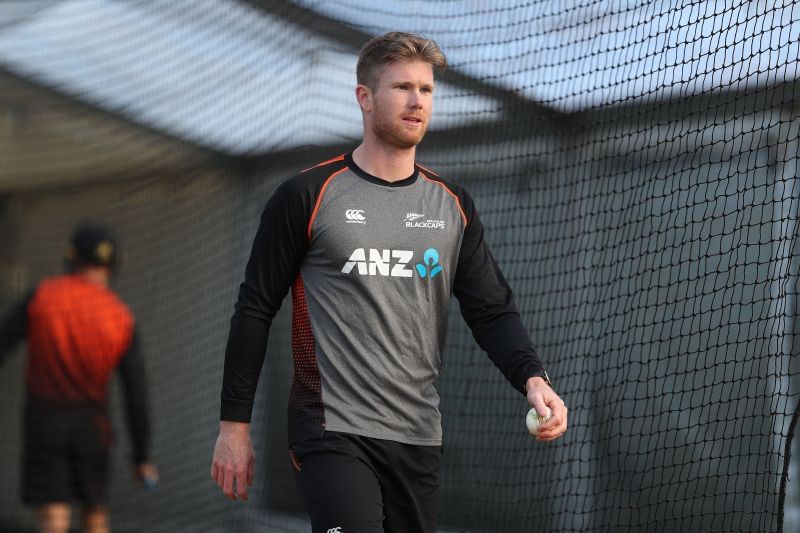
{"type": "Point", "coordinates": [78, 332]}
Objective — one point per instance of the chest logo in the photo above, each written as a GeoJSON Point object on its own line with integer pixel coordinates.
{"type": "Point", "coordinates": [431, 267]}
{"type": "Point", "coordinates": [381, 263]}
{"type": "Point", "coordinates": [418, 221]}
{"type": "Point", "coordinates": [355, 216]}
{"type": "Point", "coordinates": [393, 263]}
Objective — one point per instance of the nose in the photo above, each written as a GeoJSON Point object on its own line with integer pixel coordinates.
{"type": "Point", "coordinates": [415, 100]}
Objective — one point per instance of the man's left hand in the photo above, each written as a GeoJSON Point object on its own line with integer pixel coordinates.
{"type": "Point", "coordinates": [542, 396]}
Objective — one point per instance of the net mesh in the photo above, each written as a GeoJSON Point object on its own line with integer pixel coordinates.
{"type": "Point", "coordinates": [635, 166]}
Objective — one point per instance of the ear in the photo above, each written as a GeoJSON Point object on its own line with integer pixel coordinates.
{"type": "Point", "coordinates": [364, 98]}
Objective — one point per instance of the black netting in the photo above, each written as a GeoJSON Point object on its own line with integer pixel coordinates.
{"type": "Point", "coordinates": [635, 166]}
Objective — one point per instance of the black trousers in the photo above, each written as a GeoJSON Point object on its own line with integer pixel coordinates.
{"type": "Point", "coordinates": [355, 484]}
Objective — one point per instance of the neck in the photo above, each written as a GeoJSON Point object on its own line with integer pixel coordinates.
{"type": "Point", "coordinates": [385, 162]}
{"type": "Point", "coordinates": [93, 274]}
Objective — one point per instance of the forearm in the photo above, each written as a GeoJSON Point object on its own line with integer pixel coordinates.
{"type": "Point", "coordinates": [134, 382]}
{"type": "Point", "coordinates": [508, 345]}
{"type": "Point", "coordinates": [244, 357]}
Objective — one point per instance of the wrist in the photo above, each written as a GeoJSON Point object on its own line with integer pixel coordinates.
{"type": "Point", "coordinates": [229, 426]}
{"type": "Point", "coordinates": [541, 378]}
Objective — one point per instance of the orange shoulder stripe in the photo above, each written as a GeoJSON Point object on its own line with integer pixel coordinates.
{"type": "Point", "coordinates": [451, 193]}
{"type": "Point", "coordinates": [319, 198]}
{"type": "Point", "coordinates": [332, 160]}
{"type": "Point", "coordinates": [429, 171]}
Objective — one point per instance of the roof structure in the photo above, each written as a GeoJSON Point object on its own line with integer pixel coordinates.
{"type": "Point", "coordinates": [582, 54]}
{"type": "Point", "coordinates": [223, 75]}
{"type": "Point", "coordinates": [239, 80]}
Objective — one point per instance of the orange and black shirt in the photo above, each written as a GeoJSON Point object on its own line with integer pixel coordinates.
{"type": "Point", "coordinates": [78, 333]}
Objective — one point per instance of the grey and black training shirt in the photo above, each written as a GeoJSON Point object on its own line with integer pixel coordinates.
{"type": "Point", "coordinates": [371, 265]}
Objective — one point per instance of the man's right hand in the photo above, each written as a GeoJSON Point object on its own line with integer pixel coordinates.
{"type": "Point", "coordinates": [234, 463]}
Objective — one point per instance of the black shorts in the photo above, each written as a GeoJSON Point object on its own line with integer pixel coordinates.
{"type": "Point", "coordinates": [367, 485]}
{"type": "Point", "coordinates": [66, 456]}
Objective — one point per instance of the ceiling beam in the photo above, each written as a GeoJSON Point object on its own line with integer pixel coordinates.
{"type": "Point", "coordinates": [513, 103]}
{"type": "Point", "coordinates": [23, 88]}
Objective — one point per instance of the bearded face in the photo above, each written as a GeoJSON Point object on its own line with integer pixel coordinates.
{"type": "Point", "coordinates": [401, 104]}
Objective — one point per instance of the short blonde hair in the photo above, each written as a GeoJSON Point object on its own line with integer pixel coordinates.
{"type": "Point", "coordinates": [396, 46]}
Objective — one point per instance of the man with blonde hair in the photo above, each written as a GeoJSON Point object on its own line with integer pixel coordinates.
{"type": "Point", "coordinates": [372, 245]}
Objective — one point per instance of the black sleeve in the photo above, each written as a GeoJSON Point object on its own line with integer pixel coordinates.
{"type": "Point", "coordinates": [134, 385]}
{"type": "Point", "coordinates": [278, 249]}
{"type": "Point", "coordinates": [487, 305]}
{"type": "Point", "coordinates": [14, 326]}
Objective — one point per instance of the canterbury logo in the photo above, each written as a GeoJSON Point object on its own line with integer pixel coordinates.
{"type": "Point", "coordinates": [337, 529]}
{"type": "Point", "coordinates": [355, 215]}
{"type": "Point", "coordinates": [380, 263]}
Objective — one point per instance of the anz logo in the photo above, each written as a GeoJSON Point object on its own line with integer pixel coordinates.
{"type": "Point", "coordinates": [379, 263]}
{"type": "Point", "coordinates": [393, 263]}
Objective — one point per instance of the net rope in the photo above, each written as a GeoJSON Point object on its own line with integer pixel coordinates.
{"type": "Point", "coordinates": [635, 166]}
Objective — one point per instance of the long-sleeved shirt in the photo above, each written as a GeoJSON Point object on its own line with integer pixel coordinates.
{"type": "Point", "coordinates": [78, 333]}
{"type": "Point", "coordinates": [372, 266]}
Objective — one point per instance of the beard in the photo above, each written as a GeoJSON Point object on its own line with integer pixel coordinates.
{"type": "Point", "coordinates": [392, 131]}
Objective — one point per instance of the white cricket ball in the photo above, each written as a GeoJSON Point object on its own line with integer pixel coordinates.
{"type": "Point", "coordinates": [533, 420]}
